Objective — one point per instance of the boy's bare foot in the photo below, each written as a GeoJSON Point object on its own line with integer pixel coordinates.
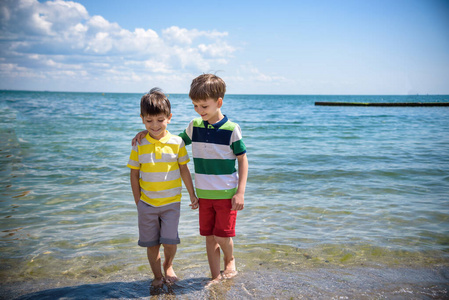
{"type": "Point", "coordinates": [157, 283]}
{"type": "Point", "coordinates": [214, 281]}
{"type": "Point", "coordinates": [170, 276]}
{"type": "Point", "coordinates": [156, 286]}
{"type": "Point", "coordinates": [229, 274]}
{"type": "Point", "coordinates": [230, 270]}
{"type": "Point", "coordinates": [169, 280]}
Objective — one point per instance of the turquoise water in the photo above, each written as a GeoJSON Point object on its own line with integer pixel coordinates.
{"type": "Point", "coordinates": [329, 187]}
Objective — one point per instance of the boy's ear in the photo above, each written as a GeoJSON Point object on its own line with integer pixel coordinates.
{"type": "Point", "coordinates": [169, 118]}
{"type": "Point", "coordinates": [219, 102]}
{"type": "Point", "coordinates": [142, 119]}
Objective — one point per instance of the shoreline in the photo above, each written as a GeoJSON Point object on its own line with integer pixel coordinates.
{"type": "Point", "coordinates": [263, 282]}
{"type": "Point", "coordinates": [326, 272]}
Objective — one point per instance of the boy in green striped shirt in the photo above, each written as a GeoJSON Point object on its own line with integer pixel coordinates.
{"type": "Point", "coordinates": [216, 145]}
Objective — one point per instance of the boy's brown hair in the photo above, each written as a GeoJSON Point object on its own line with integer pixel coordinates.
{"type": "Point", "coordinates": [154, 103]}
{"type": "Point", "coordinates": [207, 86]}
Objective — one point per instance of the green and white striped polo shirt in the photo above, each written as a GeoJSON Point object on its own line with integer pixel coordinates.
{"type": "Point", "coordinates": [215, 148]}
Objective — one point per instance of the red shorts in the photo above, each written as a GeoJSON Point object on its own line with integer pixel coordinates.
{"type": "Point", "coordinates": [217, 218]}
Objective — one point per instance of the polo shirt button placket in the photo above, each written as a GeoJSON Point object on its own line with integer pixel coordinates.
{"type": "Point", "coordinates": [208, 132]}
{"type": "Point", "coordinates": [158, 150]}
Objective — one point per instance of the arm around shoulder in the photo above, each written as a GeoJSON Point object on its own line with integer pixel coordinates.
{"type": "Point", "coordinates": [139, 136]}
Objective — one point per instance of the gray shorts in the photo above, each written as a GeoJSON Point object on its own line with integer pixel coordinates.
{"type": "Point", "coordinates": [158, 225]}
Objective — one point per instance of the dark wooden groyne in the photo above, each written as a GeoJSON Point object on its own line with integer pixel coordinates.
{"type": "Point", "coordinates": [382, 104]}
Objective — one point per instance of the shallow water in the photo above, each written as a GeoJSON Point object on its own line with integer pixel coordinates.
{"type": "Point", "coordinates": [331, 189]}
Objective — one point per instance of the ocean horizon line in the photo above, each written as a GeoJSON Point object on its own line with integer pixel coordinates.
{"type": "Point", "coordinates": [227, 94]}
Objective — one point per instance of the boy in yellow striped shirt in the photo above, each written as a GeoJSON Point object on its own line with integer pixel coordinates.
{"type": "Point", "coordinates": [157, 165]}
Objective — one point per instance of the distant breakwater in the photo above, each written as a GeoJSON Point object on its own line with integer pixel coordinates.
{"type": "Point", "coordinates": [381, 104]}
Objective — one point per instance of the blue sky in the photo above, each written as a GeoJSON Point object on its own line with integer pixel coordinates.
{"type": "Point", "coordinates": [257, 47]}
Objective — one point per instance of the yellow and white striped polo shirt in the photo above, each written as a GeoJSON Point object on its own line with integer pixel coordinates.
{"type": "Point", "coordinates": [158, 162]}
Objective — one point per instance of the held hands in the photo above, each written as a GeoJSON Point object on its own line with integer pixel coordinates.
{"type": "Point", "coordinates": [193, 202]}
{"type": "Point", "coordinates": [238, 202]}
{"type": "Point", "coordinates": [139, 136]}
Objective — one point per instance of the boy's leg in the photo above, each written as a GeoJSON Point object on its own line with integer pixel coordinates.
{"type": "Point", "coordinates": [207, 222]}
{"type": "Point", "coordinates": [227, 246]}
{"type": "Point", "coordinates": [213, 256]}
{"type": "Point", "coordinates": [224, 230]}
{"type": "Point", "coordinates": [149, 229]}
{"type": "Point", "coordinates": [154, 258]}
{"type": "Point", "coordinates": [169, 238]}
{"type": "Point", "coordinates": [169, 254]}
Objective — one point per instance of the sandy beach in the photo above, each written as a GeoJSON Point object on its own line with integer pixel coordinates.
{"type": "Point", "coordinates": [262, 283]}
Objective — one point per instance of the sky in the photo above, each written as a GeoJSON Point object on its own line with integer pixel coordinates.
{"type": "Point", "coordinates": [303, 47]}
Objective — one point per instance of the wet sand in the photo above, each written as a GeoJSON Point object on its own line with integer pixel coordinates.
{"type": "Point", "coordinates": [261, 283]}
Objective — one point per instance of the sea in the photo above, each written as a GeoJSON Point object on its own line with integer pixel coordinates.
{"type": "Point", "coordinates": [342, 202]}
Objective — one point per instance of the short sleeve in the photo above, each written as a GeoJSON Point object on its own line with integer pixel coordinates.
{"type": "Point", "coordinates": [237, 144]}
{"type": "Point", "coordinates": [133, 162]}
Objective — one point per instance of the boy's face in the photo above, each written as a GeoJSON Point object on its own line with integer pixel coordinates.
{"type": "Point", "coordinates": [156, 125]}
{"type": "Point", "coordinates": [209, 109]}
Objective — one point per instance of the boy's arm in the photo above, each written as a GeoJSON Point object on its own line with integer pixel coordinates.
{"type": "Point", "coordinates": [185, 137]}
{"type": "Point", "coordinates": [139, 136]}
{"type": "Point", "coordinates": [135, 185]}
{"type": "Point", "coordinates": [239, 197]}
{"type": "Point", "coordinates": [187, 178]}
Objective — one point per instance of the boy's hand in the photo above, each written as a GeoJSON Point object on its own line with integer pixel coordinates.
{"type": "Point", "coordinates": [194, 202]}
{"type": "Point", "coordinates": [139, 136]}
{"type": "Point", "coordinates": [238, 202]}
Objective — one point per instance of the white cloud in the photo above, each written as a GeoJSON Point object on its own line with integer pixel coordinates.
{"type": "Point", "coordinates": [31, 18]}
{"type": "Point", "coordinates": [184, 36]}
{"type": "Point", "coordinates": [60, 38]}
{"type": "Point", "coordinates": [157, 66]}
{"type": "Point", "coordinates": [179, 35]}
{"type": "Point", "coordinates": [216, 50]}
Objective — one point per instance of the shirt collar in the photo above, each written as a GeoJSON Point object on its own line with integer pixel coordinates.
{"type": "Point", "coordinates": [218, 124]}
{"type": "Point", "coordinates": [162, 140]}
